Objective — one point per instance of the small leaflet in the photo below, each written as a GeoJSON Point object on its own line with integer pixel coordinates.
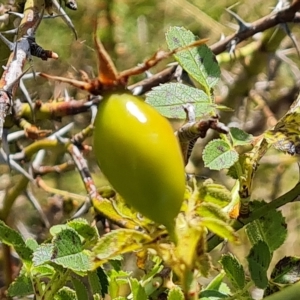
{"type": "Point", "coordinates": [118, 242]}
{"type": "Point", "coordinates": [239, 137]}
{"type": "Point", "coordinates": [271, 228]}
{"type": "Point", "coordinates": [170, 98]}
{"type": "Point", "coordinates": [259, 260]}
{"type": "Point", "coordinates": [234, 270]}
{"type": "Point", "coordinates": [218, 155]}
{"type": "Point", "coordinates": [199, 62]}
{"type": "Point", "coordinates": [175, 294]}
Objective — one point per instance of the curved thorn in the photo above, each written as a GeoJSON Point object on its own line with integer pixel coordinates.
{"type": "Point", "coordinates": [11, 31]}
{"type": "Point", "coordinates": [15, 135]}
{"type": "Point", "coordinates": [65, 17]}
{"type": "Point", "coordinates": [83, 209]}
{"type": "Point", "coordinates": [38, 159]}
{"type": "Point", "coordinates": [63, 130]}
{"type": "Point", "coordinates": [291, 36]}
{"type": "Point", "coordinates": [67, 96]}
{"type": "Point", "coordinates": [94, 111]}
{"type": "Point", "coordinates": [8, 43]}
{"type": "Point", "coordinates": [243, 26]}
{"type": "Point", "coordinates": [28, 98]}
{"type": "Point", "coordinates": [37, 206]}
{"type": "Point", "coordinates": [19, 15]}
{"type": "Point", "coordinates": [16, 166]}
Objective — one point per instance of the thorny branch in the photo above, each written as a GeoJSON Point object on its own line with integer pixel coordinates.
{"type": "Point", "coordinates": [285, 15]}
{"type": "Point", "coordinates": [22, 49]}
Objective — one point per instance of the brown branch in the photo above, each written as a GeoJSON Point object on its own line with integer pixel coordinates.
{"type": "Point", "coordinates": [285, 15]}
{"type": "Point", "coordinates": [53, 110]}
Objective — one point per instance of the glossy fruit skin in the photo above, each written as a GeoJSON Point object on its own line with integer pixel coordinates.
{"type": "Point", "coordinates": [139, 155]}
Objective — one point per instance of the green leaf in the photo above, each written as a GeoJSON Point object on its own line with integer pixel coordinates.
{"type": "Point", "coordinates": [189, 241]}
{"type": "Point", "coordinates": [80, 288]}
{"type": "Point", "coordinates": [212, 294]}
{"type": "Point", "coordinates": [116, 263]}
{"type": "Point", "coordinates": [270, 228]}
{"type": "Point", "coordinates": [290, 293]}
{"type": "Point", "coordinates": [138, 292]}
{"type": "Point", "coordinates": [43, 271]}
{"type": "Point", "coordinates": [12, 238]}
{"type": "Point", "coordinates": [216, 282]}
{"type": "Point", "coordinates": [199, 62]}
{"type": "Point", "coordinates": [152, 280]}
{"type": "Point", "coordinates": [219, 155]}
{"type": "Point", "coordinates": [169, 99]}
{"type": "Point", "coordinates": [211, 210]}
{"type": "Point", "coordinates": [97, 297]}
{"type": "Point", "coordinates": [118, 242]}
{"type": "Point", "coordinates": [96, 281]}
{"type": "Point", "coordinates": [151, 285]}
{"type": "Point", "coordinates": [66, 242]}
{"type": "Point", "coordinates": [22, 286]}
{"type": "Point", "coordinates": [56, 229]}
{"type": "Point", "coordinates": [239, 137]}
{"type": "Point", "coordinates": [84, 229]}
{"type": "Point", "coordinates": [286, 271]}
{"type": "Point", "coordinates": [118, 281]}
{"type": "Point", "coordinates": [42, 254]}
{"type": "Point", "coordinates": [32, 244]}
{"type": "Point", "coordinates": [66, 251]}
{"type": "Point", "coordinates": [220, 228]}
{"type": "Point", "coordinates": [103, 279]}
{"type": "Point", "coordinates": [232, 172]}
{"type": "Point", "coordinates": [214, 193]}
{"type": "Point", "coordinates": [259, 260]}
{"type": "Point", "coordinates": [175, 293]}
{"type": "Point", "coordinates": [234, 270]}
{"type": "Point", "coordinates": [65, 293]}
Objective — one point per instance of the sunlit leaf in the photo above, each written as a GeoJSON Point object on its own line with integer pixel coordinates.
{"type": "Point", "coordinates": [211, 210]}
{"type": "Point", "coordinates": [138, 291]}
{"type": "Point", "coordinates": [219, 155]}
{"type": "Point", "coordinates": [175, 294]}
{"type": "Point", "coordinates": [118, 242]}
{"type": "Point", "coordinates": [214, 193]}
{"type": "Point", "coordinates": [199, 62]}
{"type": "Point", "coordinates": [169, 99]}
{"type": "Point", "coordinates": [65, 293]}
{"type": "Point", "coordinates": [220, 228]}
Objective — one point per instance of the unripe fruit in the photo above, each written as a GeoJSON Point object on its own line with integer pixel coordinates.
{"type": "Point", "coordinates": [139, 155]}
